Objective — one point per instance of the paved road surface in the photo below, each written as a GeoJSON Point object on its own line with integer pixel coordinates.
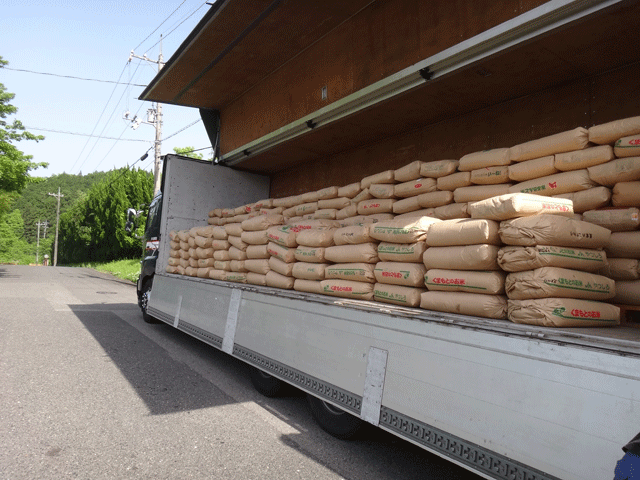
{"type": "Point", "coordinates": [88, 390]}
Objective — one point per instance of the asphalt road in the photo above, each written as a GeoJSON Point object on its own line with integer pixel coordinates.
{"type": "Point", "coordinates": [88, 390]}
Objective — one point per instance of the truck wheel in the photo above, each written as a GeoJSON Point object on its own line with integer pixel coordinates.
{"type": "Point", "coordinates": [333, 420]}
{"type": "Point", "coordinates": [266, 384]}
{"type": "Point", "coordinates": [144, 301]}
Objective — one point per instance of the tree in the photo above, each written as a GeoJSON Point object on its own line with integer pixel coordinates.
{"type": "Point", "coordinates": [14, 164]}
{"type": "Point", "coordinates": [187, 152]}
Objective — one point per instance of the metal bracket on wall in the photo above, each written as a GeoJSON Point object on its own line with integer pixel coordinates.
{"type": "Point", "coordinates": [426, 73]}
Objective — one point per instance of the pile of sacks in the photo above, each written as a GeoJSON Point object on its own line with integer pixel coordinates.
{"type": "Point", "coordinates": [339, 240]}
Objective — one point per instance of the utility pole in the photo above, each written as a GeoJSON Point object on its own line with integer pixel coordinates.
{"type": "Point", "coordinates": [154, 118]}
{"type": "Point", "coordinates": [39, 224]}
{"type": "Point", "coordinates": [55, 247]}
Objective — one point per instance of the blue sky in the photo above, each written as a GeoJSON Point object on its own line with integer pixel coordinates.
{"type": "Point", "coordinates": [93, 39]}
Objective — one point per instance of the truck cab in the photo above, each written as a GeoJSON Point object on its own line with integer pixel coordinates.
{"type": "Point", "coordinates": [151, 241]}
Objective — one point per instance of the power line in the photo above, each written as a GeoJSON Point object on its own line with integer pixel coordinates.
{"type": "Point", "coordinates": [156, 29]}
{"type": "Point", "coordinates": [182, 129]}
{"type": "Point", "coordinates": [72, 77]}
{"type": "Point", "coordinates": [187, 18]}
{"type": "Point", "coordinates": [87, 135]}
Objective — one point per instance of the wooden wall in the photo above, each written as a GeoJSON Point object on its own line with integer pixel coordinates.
{"type": "Point", "coordinates": [382, 39]}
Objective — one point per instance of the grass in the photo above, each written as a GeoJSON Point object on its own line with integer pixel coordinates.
{"type": "Point", "coordinates": [124, 269]}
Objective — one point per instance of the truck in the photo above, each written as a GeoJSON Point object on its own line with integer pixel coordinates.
{"type": "Point", "coordinates": [503, 400]}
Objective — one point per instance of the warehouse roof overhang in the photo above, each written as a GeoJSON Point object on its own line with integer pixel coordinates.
{"type": "Point", "coordinates": [558, 42]}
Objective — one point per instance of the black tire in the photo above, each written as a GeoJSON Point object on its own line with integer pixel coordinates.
{"type": "Point", "coordinates": [267, 385]}
{"type": "Point", "coordinates": [333, 420]}
{"type": "Point", "coordinates": [144, 298]}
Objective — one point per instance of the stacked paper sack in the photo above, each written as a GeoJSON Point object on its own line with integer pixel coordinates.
{"type": "Point", "coordinates": [598, 170]}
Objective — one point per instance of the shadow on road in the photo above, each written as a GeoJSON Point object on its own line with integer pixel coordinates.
{"type": "Point", "coordinates": [4, 273]}
{"type": "Point", "coordinates": [165, 385]}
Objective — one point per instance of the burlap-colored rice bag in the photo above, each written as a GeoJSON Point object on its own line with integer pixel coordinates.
{"type": "Point", "coordinates": [463, 231]}
{"type": "Point", "coordinates": [308, 286]}
{"type": "Point", "coordinates": [255, 265]}
{"type": "Point", "coordinates": [398, 252]}
{"type": "Point", "coordinates": [487, 283]}
{"type": "Point", "coordinates": [237, 266]}
{"type": "Point", "coordinates": [514, 205]}
{"type": "Point", "coordinates": [621, 269]}
{"type": "Point", "coordinates": [620, 170]}
{"type": "Point", "coordinates": [563, 312]}
{"type": "Point", "coordinates": [382, 190]}
{"type": "Point", "coordinates": [346, 212]}
{"type": "Point", "coordinates": [180, 270]}
{"type": "Point", "coordinates": [281, 267]}
{"type": "Point", "coordinates": [377, 205]}
{"type": "Point", "coordinates": [463, 303]}
{"type": "Point", "coordinates": [173, 235]}
{"type": "Point", "coordinates": [203, 242]}
{"type": "Point", "coordinates": [173, 262]}
{"type": "Point", "coordinates": [257, 252]}
{"type": "Point", "coordinates": [184, 254]}
{"type": "Point", "coordinates": [363, 195]}
{"type": "Point", "coordinates": [453, 181]}
{"type": "Point", "coordinates": [486, 158]}
{"type": "Point", "coordinates": [490, 175]}
{"type": "Point", "coordinates": [348, 289]}
{"type": "Point", "coordinates": [193, 262]}
{"type": "Point", "coordinates": [415, 187]}
{"type": "Point", "coordinates": [282, 253]}
{"type": "Point", "coordinates": [349, 191]}
{"type": "Point", "coordinates": [423, 212]}
{"type": "Point", "coordinates": [283, 235]}
{"type": "Point", "coordinates": [265, 203]}
{"type": "Point", "coordinates": [406, 205]}
{"type": "Point", "coordinates": [439, 168]}
{"type": "Point", "coordinates": [256, 279]}
{"type": "Point", "coordinates": [397, 273]}
{"type": "Point", "coordinates": [174, 253]}
{"type": "Point", "coordinates": [259, 237]}
{"type": "Point", "coordinates": [175, 245]}
{"type": "Point", "coordinates": [275, 280]}
{"type": "Point", "coordinates": [351, 235]}
{"type": "Point", "coordinates": [222, 255]}
{"type": "Point", "coordinates": [626, 194]}
{"type": "Point", "coordinates": [262, 222]}
{"type": "Point", "coordinates": [627, 292]}
{"type": "Point", "coordinates": [184, 245]}
{"type": "Point", "coordinates": [184, 263]}
{"type": "Point", "coordinates": [183, 235]}
{"type": "Point", "coordinates": [309, 197]}
{"type": "Point", "coordinates": [408, 172]}
{"type": "Point", "coordinates": [616, 220]}
{"type": "Point", "coordinates": [206, 232]}
{"type": "Point", "coordinates": [583, 158]}
{"type": "Point", "coordinates": [404, 230]}
{"type": "Point", "coordinates": [206, 262]}
{"type": "Point", "coordinates": [216, 274]}
{"type": "Point", "coordinates": [240, 218]}
{"type": "Point", "coordinates": [547, 282]}
{"type": "Point", "coordinates": [234, 229]}
{"type": "Point", "coordinates": [451, 211]}
{"type": "Point", "coordinates": [219, 233]}
{"type": "Point", "coordinates": [366, 219]}
{"type": "Point", "coordinates": [469, 257]}
{"type": "Point", "coordinates": [575, 139]}
{"type": "Point", "coordinates": [214, 221]}
{"type": "Point", "coordinates": [309, 271]}
{"type": "Point", "coordinates": [397, 294]}
{"type": "Point", "coordinates": [327, 193]}
{"type": "Point", "coordinates": [220, 265]}
{"type": "Point", "coordinates": [306, 208]}
{"type": "Point", "coordinates": [228, 212]}
{"type": "Point", "coordinates": [553, 230]}
{"type": "Point", "coordinates": [289, 212]}
{"type": "Point", "coordinates": [171, 269]}
{"type": "Point", "coordinates": [590, 199]}
{"type": "Point", "coordinates": [624, 245]}
{"type": "Point", "coordinates": [357, 272]}
{"type": "Point", "coordinates": [565, 182]}
{"type": "Point", "coordinates": [383, 177]}
{"type": "Point", "coordinates": [627, 146]}
{"type": "Point", "coordinates": [272, 211]}
{"type": "Point", "coordinates": [204, 252]}
{"type": "Point", "coordinates": [192, 242]}
{"type": "Point", "coordinates": [237, 242]}
{"type": "Point", "coordinates": [435, 199]}
{"type": "Point", "coordinates": [479, 192]}
{"type": "Point", "coordinates": [364, 252]}
{"type": "Point", "coordinates": [336, 203]}
{"type": "Point", "coordinates": [518, 259]}
{"type": "Point", "coordinates": [310, 254]}
{"type": "Point", "coordinates": [607, 133]}
{"type": "Point", "coordinates": [316, 238]}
